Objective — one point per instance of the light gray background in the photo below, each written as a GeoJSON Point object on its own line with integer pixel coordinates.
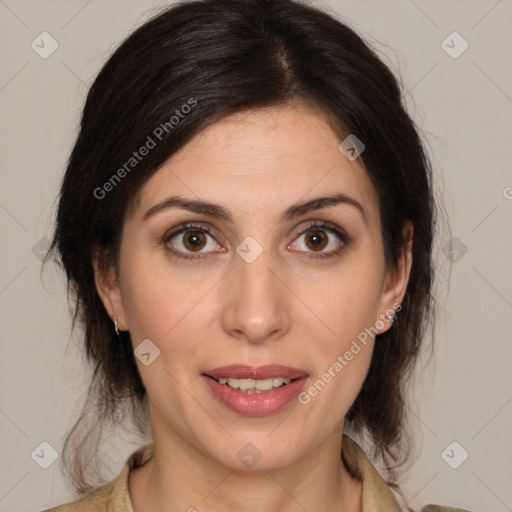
{"type": "Point", "coordinates": [463, 105]}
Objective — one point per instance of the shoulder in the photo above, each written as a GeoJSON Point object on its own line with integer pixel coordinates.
{"type": "Point", "coordinates": [114, 495]}
{"type": "Point", "coordinates": [97, 500]}
{"type": "Point", "coordinates": [376, 493]}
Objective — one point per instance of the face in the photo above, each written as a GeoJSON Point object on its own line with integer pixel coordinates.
{"type": "Point", "coordinates": [267, 276]}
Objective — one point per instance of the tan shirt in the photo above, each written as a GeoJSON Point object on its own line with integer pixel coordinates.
{"type": "Point", "coordinates": [114, 496]}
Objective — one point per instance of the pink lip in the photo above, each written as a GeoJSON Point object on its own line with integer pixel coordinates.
{"type": "Point", "coordinates": [240, 371]}
{"type": "Point", "coordinates": [255, 404]}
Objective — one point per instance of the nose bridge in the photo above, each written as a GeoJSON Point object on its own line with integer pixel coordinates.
{"type": "Point", "coordinates": [256, 306]}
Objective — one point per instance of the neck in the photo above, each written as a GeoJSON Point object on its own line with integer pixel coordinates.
{"type": "Point", "coordinates": [179, 477]}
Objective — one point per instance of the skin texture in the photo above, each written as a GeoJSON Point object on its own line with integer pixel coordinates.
{"type": "Point", "coordinates": [283, 308]}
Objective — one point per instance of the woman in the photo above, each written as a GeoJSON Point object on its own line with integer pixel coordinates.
{"type": "Point", "coordinates": [247, 222]}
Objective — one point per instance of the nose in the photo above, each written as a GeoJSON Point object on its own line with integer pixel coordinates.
{"type": "Point", "coordinates": [256, 303]}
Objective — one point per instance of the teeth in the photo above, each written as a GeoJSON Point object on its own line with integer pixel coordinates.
{"type": "Point", "coordinates": [233, 382]}
{"type": "Point", "coordinates": [250, 386]}
{"type": "Point", "coordinates": [277, 381]}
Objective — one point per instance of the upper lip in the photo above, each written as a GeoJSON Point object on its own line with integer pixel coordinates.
{"type": "Point", "coordinates": [240, 371]}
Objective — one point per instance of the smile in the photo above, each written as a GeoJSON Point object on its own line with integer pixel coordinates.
{"type": "Point", "coordinates": [255, 391]}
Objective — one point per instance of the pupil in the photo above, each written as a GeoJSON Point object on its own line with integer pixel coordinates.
{"type": "Point", "coordinates": [193, 237]}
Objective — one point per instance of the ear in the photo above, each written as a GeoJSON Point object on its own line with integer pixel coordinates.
{"type": "Point", "coordinates": [396, 279]}
{"type": "Point", "coordinates": [107, 284]}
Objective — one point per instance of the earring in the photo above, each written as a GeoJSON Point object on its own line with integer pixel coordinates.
{"type": "Point", "coordinates": [392, 318]}
{"type": "Point", "coordinates": [115, 326]}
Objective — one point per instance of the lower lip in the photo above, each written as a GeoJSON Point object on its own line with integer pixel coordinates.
{"type": "Point", "coordinates": [255, 404]}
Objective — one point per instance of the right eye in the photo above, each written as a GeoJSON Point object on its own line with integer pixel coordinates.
{"type": "Point", "coordinates": [190, 239]}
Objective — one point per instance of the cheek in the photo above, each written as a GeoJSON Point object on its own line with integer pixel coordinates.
{"type": "Point", "coordinates": [347, 305]}
{"type": "Point", "coordinates": [346, 302]}
{"type": "Point", "coordinates": [148, 303]}
{"type": "Point", "coordinates": [155, 294]}
{"type": "Point", "coordinates": [165, 305]}
{"type": "Point", "coordinates": [160, 305]}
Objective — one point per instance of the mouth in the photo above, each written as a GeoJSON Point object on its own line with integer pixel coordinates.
{"type": "Point", "coordinates": [270, 387]}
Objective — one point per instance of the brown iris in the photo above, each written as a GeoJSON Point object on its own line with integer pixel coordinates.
{"type": "Point", "coordinates": [194, 240]}
{"type": "Point", "coordinates": [318, 239]}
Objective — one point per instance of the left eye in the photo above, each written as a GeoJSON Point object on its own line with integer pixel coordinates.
{"type": "Point", "coordinates": [319, 239]}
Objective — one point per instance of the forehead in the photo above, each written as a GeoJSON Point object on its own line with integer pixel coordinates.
{"type": "Point", "coordinates": [259, 162]}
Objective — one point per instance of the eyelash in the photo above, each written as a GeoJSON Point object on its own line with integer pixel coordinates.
{"type": "Point", "coordinates": [324, 225]}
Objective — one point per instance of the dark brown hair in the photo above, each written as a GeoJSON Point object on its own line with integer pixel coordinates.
{"type": "Point", "coordinates": [220, 57]}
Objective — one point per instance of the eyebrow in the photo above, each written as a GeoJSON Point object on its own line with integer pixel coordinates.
{"type": "Point", "coordinates": [221, 213]}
